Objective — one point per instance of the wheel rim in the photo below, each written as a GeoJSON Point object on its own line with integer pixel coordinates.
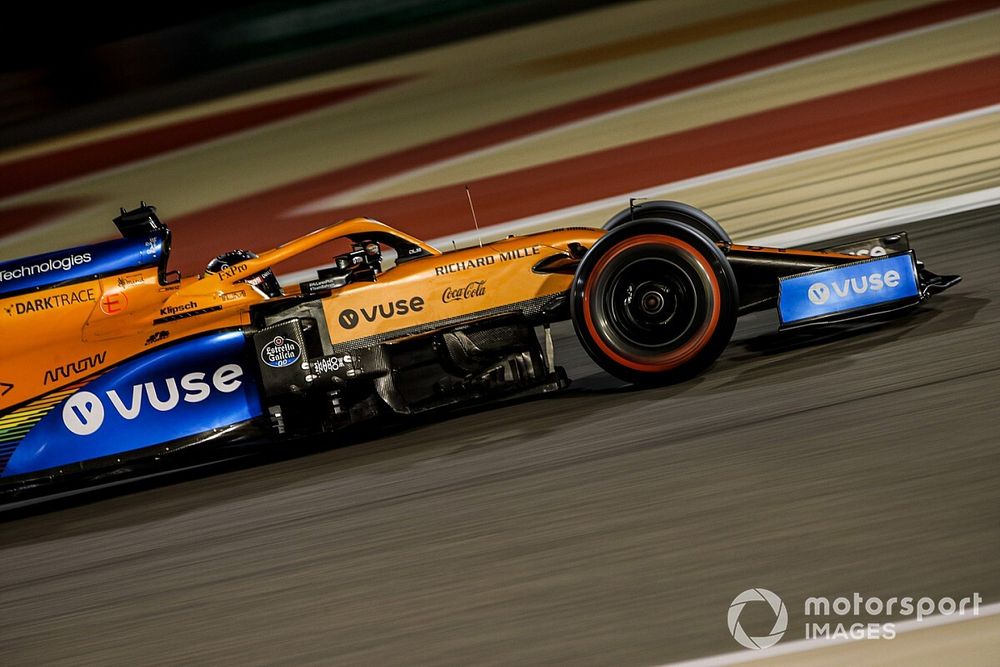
{"type": "Point", "coordinates": [652, 302]}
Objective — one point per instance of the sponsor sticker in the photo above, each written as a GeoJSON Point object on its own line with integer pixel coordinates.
{"type": "Point", "coordinates": [328, 365]}
{"type": "Point", "coordinates": [182, 311]}
{"type": "Point", "coordinates": [488, 260]}
{"type": "Point", "coordinates": [78, 367]}
{"type": "Point", "coordinates": [476, 288]}
{"type": "Point", "coordinates": [350, 318]}
{"type": "Point", "coordinates": [330, 283]}
{"type": "Point", "coordinates": [235, 295]}
{"type": "Point", "coordinates": [85, 412]}
{"type": "Point", "coordinates": [280, 352]}
{"type": "Point", "coordinates": [466, 265]}
{"type": "Point", "coordinates": [157, 337]}
{"type": "Point", "coordinates": [130, 280]}
{"type": "Point", "coordinates": [232, 271]}
{"type": "Point", "coordinates": [53, 301]}
{"type": "Point", "coordinates": [178, 308]}
{"type": "Point", "coordinates": [846, 288]}
{"type": "Point", "coordinates": [114, 303]}
{"type": "Point", "coordinates": [52, 264]}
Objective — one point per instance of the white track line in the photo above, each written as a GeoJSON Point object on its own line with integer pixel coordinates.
{"type": "Point", "coordinates": [553, 218]}
{"type": "Point", "coordinates": [351, 196]}
{"type": "Point", "coordinates": [803, 645]}
{"type": "Point", "coordinates": [881, 219]}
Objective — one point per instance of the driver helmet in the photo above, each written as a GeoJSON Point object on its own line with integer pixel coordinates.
{"type": "Point", "coordinates": [263, 281]}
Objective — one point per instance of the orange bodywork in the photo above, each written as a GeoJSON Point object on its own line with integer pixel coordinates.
{"type": "Point", "coordinates": [58, 336]}
{"type": "Point", "coordinates": [451, 286]}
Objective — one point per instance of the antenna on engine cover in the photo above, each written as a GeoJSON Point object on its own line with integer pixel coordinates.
{"type": "Point", "coordinates": [472, 208]}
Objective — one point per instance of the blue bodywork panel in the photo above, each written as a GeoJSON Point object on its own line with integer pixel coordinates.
{"type": "Point", "coordinates": [170, 393]}
{"type": "Point", "coordinates": [864, 285]}
{"type": "Point", "coordinates": [85, 262]}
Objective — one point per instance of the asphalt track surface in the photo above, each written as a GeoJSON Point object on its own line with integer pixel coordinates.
{"type": "Point", "coordinates": [601, 526]}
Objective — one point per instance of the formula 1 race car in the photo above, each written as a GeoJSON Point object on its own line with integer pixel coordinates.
{"type": "Point", "coordinates": [112, 360]}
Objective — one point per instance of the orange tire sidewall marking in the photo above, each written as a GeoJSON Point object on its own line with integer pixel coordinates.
{"type": "Point", "coordinates": [676, 357]}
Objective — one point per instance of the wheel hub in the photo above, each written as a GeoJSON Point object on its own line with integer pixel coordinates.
{"type": "Point", "coordinates": [652, 302]}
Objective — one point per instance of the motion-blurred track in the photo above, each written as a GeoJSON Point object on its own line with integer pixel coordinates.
{"type": "Point", "coordinates": [604, 525]}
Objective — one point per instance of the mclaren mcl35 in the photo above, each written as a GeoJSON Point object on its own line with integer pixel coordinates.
{"type": "Point", "coordinates": [112, 359]}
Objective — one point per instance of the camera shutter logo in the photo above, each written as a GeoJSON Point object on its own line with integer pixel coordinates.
{"type": "Point", "coordinates": [780, 622]}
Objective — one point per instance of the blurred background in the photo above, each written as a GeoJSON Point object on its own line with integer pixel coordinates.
{"type": "Point", "coordinates": [252, 124]}
{"type": "Point", "coordinates": [248, 124]}
{"type": "Point", "coordinates": [96, 64]}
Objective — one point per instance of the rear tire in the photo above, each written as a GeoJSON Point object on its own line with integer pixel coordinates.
{"type": "Point", "coordinates": [654, 302]}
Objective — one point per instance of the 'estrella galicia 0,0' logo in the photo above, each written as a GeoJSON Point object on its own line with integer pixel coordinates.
{"type": "Point", "coordinates": [280, 352]}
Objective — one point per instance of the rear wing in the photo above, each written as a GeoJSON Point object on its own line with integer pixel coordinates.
{"type": "Point", "coordinates": [145, 244]}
